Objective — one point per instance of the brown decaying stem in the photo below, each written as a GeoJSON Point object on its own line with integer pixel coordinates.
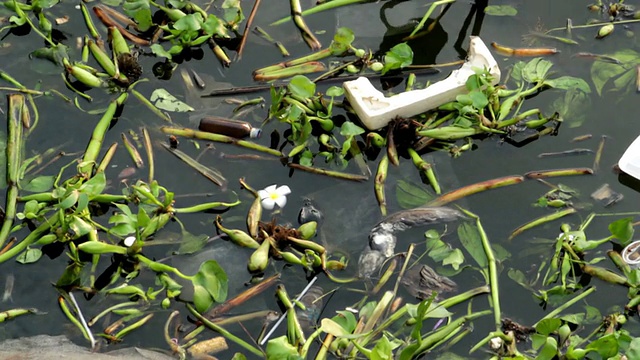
{"type": "Point", "coordinates": [245, 34]}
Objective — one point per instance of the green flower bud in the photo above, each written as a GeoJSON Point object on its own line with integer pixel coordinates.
{"type": "Point", "coordinates": [97, 247]}
{"type": "Point", "coordinates": [352, 69]}
{"type": "Point", "coordinates": [238, 237]}
{"type": "Point", "coordinates": [360, 52]}
{"type": "Point", "coordinates": [308, 230]}
{"type": "Point", "coordinates": [376, 66]}
{"type": "Point", "coordinates": [165, 303]}
{"type": "Point", "coordinates": [604, 31]}
{"type": "Point", "coordinates": [260, 258]}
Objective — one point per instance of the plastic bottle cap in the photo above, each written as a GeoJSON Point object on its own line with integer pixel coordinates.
{"type": "Point", "coordinates": [630, 160]}
{"type": "Point", "coordinates": [255, 133]}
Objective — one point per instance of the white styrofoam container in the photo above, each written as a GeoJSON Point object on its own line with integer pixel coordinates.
{"type": "Point", "coordinates": [630, 160]}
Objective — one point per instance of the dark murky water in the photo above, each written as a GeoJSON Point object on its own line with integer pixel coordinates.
{"type": "Point", "coordinates": [350, 208]}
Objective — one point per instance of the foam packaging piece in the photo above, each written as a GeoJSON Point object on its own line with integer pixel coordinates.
{"type": "Point", "coordinates": [630, 160]}
{"type": "Point", "coordinates": [376, 111]}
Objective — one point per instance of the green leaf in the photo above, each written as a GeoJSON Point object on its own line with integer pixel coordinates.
{"type": "Point", "coordinates": [279, 348]}
{"type": "Point", "coordinates": [382, 350]}
{"type": "Point", "coordinates": [190, 23]}
{"type": "Point", "coordinates": [70, 200]}
{"type": "Point", "coordinates": [500, 10]}
{"type": "Point", "coordinates": [29, 256]}
{"type": "Point", "coordinates": [346, 320]}
{"type": "Point", "coordinates": [470, 239]}
{"type": "Point", "coordinates": [607, 346]}
{"type": "Point", "coordinates": [332, 327]}
{"type": "Point", "coordinates": [165, 101]}
{"type": "Point", "coordinates": [350, 129]}
{"type": "Point", "coordinates": [569, 83]}
{"type": "Point", "coordinates": [536, 70]}
{"type": "Point", "coordinates": [159, 51]}
{"type": "Point", "coordinates": [622, 230]}
{"type": "Point", "coordinates": [603, 71]}
{"type": "Point", "coordinates": [548, 326]}
{"type": "Point", "coordinates": [341, 41]}
{"type": "Point", "coordinates": [140, 11]}
{"type": "Point", "coordinates": [40, 184]}
{"type": "Point", "coordinates": [397, 57]}
{"type": "Point", "coordinates": [232, 11]}
{"type": "Point", "coordinates": [479, 99]}
{"type": "Point", "coordinates": [410, 195]}
{"type": "Point", "coordinates": [213, 278]}
{"type": "Point", "coordinates": [334, 91]}
{"type": "Point", "coordinates": [549, 349]}
{"type": "Point", "coordinates": [94, 186]}
{"type": "Point", "coordinates": [301, 86]}
{"type": "Point", "coordinates": [634, 349]}
{"type": "Point", "coordinates": [190, 243]}
{"type": "Point", "coordinates": [201, 298]}
{"type": "Point", "coordinates": [213, 26]}
{"type": "Point", "coordinates": [79, 226]}
{"type": "Point", "coordinates": [572, 107]}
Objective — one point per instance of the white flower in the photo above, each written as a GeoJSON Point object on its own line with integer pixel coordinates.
{"type": "Point", "coordinates": [271, 196]}
{"type": "Point", "coordinates": [129, 241]}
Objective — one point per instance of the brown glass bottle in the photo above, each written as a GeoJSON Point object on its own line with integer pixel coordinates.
{"type": "Point", "coordinates": [223, 126]}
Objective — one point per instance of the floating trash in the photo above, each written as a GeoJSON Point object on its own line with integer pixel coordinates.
{"type": "Point", "coordinates": [631, 254]}
{"type": "Point", "coordinates": [606, 196]}
{"type": "Point", "coordinates": [421, 281]}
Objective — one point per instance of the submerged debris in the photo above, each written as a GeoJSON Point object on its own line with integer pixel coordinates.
{"type": "Point", "coordinates": [420, 281]}
{"type": "Point", "coordinates": [606, 196]}
{"type": "Point", "coordinates": [382, 240]}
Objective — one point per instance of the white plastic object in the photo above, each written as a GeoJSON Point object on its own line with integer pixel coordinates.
{"type": "Point", "coordinates": [630, 254]}
{"type": "Point", "coordinates": [630, 160]}
{"type": "Point", "coordinates": [376, 111]}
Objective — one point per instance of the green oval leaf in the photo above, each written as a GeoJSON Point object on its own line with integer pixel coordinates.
{"type": "Point", "coordinates": [301, 86]}
{"type": "Point", "coordinates": [500, 10]}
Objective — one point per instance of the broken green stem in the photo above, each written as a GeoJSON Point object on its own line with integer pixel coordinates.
{"type": "Point", "coordinates": [426, 168]}
{"type": "Point", "coordinates": [598, 24]}
{"type": "Point", "coordinates": [204, 207]}
{"type": "Point", "coordinates": [517, 119]}
{"type": "Point", "coordinates": [493, 271]}
{"type": "Point", "coordinates": [430, 340]}
{"type": "Point", "coordinates": [149, 105]}
{"type": "Point", "coordinates": [318, 55]}
{"type": "Point", "coordinates": [566, 305]}
{"type": "Point", "coordinates": [97, 137]}
{"type": "Point", "coordinates": [542, 220]}
{"type": "Point", "coordinates": [428, 14]}
{"type": "Point", "coordinates": [322, 7]}
{"type": "Point", "coordinates": [194, 134]}
{"type": "Point", "coordinates": [14, 151]}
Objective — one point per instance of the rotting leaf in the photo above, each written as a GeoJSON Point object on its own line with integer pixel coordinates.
{"type": "Point", "coordinates": [603, 71]}
{"type": "Point", "coordinates": [165, 101]}
{"type": "Point", "coordinates": [500, 10]}
{"type": "Point", "coordinates": [410, 195]}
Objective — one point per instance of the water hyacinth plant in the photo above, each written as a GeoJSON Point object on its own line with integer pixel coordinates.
{"type": "Point", "coordinates": [108, 236]}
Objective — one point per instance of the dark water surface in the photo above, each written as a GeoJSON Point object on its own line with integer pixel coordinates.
{"type": "Point", "coordinates": [350, 208]}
